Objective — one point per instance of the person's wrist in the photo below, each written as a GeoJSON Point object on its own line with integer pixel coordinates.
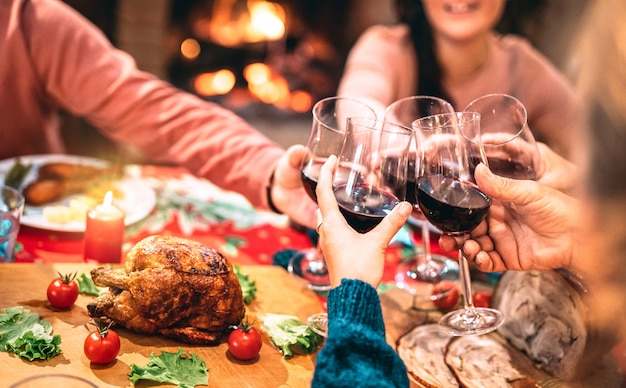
{"type": "Point", "coordinates": [270, 202]}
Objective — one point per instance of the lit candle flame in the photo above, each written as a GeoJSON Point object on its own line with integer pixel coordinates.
{"type": "Point", "coordinates": [108, 198]}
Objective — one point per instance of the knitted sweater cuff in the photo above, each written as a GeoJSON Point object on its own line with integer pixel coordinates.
{"type": "Point", "coordinates": [357, 302]}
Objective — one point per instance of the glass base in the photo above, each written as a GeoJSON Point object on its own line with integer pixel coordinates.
{"type": "Point", "coordinates": [319, 323]}
{"type": "Point", "coordinates": [310, 267]}
{"type": "Point", "coordinates": [471, 321]}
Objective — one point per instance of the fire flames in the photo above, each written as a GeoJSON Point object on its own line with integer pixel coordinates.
{"type": "Point", "coordinates": [235, 23]}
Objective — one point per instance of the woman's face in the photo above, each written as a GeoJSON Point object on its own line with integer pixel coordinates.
{"type": "Point", "coordinates": [462, 19]}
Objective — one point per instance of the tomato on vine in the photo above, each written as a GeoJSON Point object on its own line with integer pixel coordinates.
{"type": "Point", "coordinates": [63, 291]}
{"type": "Point", "coordinates": [244, 342]}
{"type": "Point", "coordinates": [102, 345]}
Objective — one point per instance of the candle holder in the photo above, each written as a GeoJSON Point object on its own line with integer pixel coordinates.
{"type": "Point", "coordinates": [104, 232]}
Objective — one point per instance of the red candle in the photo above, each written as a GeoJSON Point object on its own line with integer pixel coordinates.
{"type": "Point", "coordinates": [104, 232]}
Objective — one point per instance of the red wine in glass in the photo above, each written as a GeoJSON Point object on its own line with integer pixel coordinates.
{"type": "Point", "coordinates": [453, 206]}
{"type": "Point", "coordinates": [364, 206]}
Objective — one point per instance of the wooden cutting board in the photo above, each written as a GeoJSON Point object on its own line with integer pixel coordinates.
{"type": "Point", "coordinates": [278, 292]}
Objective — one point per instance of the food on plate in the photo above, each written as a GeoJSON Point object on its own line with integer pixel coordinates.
{"type": "Point", "coordinates": [489, 361]}
{"type": "Point", "coordinates": [548, 320]}
{"type": "Point", "coordinates": [102, 345]}
{"type": "Point", "coordinates": [62, 292]}
{"type": "Point", "coordinates": [171, 286]}
{"type": "Point", "coordinates": [244, 342]}
{"type": "Point", "coordinates": [437, 359]}
{"type": "Point", "coordinates": [75, 211]}
{"type": "Point", "coordinates": [57, 180]}
{"type": "Point", "coordinates": [546, 340]}
{"type": "Point", "coordinates": [423, 350]}
{"type": "Point", "coordinates": [16, 175]}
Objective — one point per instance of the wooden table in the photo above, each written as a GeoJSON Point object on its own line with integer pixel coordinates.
{"type": "Point", "coordinates": [278, 292]}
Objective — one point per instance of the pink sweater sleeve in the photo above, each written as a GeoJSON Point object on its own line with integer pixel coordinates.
{"type": "Point", "coordinates": [84, 74]}
{"type": "Point", "coordinates": [380, 67]}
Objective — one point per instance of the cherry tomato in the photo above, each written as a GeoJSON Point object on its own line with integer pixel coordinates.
{"type": "Point", "coordinates": [244, 342]}
{"type": "Point", "coordinates": [482, 299]}
{"type": "Point", "coordinates": [63, 291]}
{"type": "Point", "coordinates": [446, 295]}
{"type": "Point", "coordinates": [102, 345]}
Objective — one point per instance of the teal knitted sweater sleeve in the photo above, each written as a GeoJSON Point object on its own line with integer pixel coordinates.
{"type": "Point", "coordinates": [355, 352]}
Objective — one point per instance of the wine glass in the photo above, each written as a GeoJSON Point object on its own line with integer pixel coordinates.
{"type": "Point", "coordinates": [326, 138]}
{"type": "Point", "coordinates": [506, 138]}
{"type": "Point", "coordinates": [420, 273]}
{"type": "Point", "coordinates": [370, 179]}
{"type": "Point", "coordinates": [449, 148]}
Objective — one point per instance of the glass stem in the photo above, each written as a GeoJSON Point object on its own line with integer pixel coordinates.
{"type": "Point", "coordinates": [466, 281]}
{"type": "Point", "coordinates": [426, 240]}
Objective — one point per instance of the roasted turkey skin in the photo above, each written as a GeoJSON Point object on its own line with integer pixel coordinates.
{"type": "Point", "coordinates": [172, 286]}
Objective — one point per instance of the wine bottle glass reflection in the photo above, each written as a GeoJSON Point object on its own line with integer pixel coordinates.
{"type": "Point", "coordinates": [448, 196]}
{"type": "Point", "coordinates": [370, 179]}
{"type": "Point", "coordinates": [325, 139]}
{"type": "Point", "coordinates": [509, 144]}
{"type": "Point", "coordinates": [419, 274]}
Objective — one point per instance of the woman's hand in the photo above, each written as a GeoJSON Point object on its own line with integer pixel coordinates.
{"type": "Point", "coordinates": [349, 254]}
{"type": "Point", "coordinates": [529, 226]}
{"type": "Point", "coordinates": [287, 191]}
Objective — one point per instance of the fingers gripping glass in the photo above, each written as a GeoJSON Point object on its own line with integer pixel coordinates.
{"type": "Point", "coordinates": [450, 150]}
{"type": "Point", "coordinates": [325, 139]}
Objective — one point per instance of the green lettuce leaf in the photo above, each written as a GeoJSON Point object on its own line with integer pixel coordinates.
{"type": "Point", "coordinates": [22, 332]}
{"type": "Point", "coordinates": [186, 371]}
{"type": "Point", "coordinates": [290, 334]}
{"type": "Point", "coordinates": [87, 286]}
{"type": "Point", "coordinates": [248, 287]}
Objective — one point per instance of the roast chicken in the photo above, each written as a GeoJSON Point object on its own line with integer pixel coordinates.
{"type": "Point", "coordinates": [172, 286]}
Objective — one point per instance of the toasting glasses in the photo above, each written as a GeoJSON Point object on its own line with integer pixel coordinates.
{"type": "Point", "coordinates": [449, 149]}
{"type": "Point", "coordinates": [419, 274]}
{"type": "Point", "coordinates": [325, 139]}
{"type": "Point", "coordinates": [370, 179]}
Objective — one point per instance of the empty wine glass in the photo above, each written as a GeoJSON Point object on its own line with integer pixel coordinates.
{"type": "Point", "coordinates": [509, 144]}
{"type": "Point", "coordinates": [370, 179]}
{"type": "Point", "coordinates": [326, 138]}
{"type": "Point", "coordinates": [449, 149]}
{"type": "Point", "coordinates": [420, 273]}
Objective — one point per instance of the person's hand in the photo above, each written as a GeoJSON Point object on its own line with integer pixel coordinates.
{"type": "Point", "coordinates": [288, 195]}
{"type": "Point", "coordinates": [349, 254]}
{"type": "Point", "coordinates": [557, 172]}
{"type": "Point", "coordinates": [529, 226]}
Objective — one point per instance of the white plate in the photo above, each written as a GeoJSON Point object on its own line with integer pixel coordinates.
{"type": "Point", "coordinates": [139, 198]}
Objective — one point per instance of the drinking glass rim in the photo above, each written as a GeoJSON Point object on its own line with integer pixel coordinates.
{"type": "Point", "coordinates": [14, 192]}
{"type": "Point", "coordinates": [337, 98]}
{"type": "Point", "coordinates": [517, 100]}
{"type": "Point", "coordinates": [378, 125]}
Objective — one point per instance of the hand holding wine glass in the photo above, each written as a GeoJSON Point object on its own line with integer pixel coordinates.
{"type": "Point", "coordinates": [371, 177]}
{"type": "Point", "coordinates": [450, 150]}
{"type": "Point", "coordinates": [369, 180]}
{"type": "Point", "coordinates": [325, 139]}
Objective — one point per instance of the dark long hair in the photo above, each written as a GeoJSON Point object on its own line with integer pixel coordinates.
{"type": "Point", "coordinates": [411, 12]}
